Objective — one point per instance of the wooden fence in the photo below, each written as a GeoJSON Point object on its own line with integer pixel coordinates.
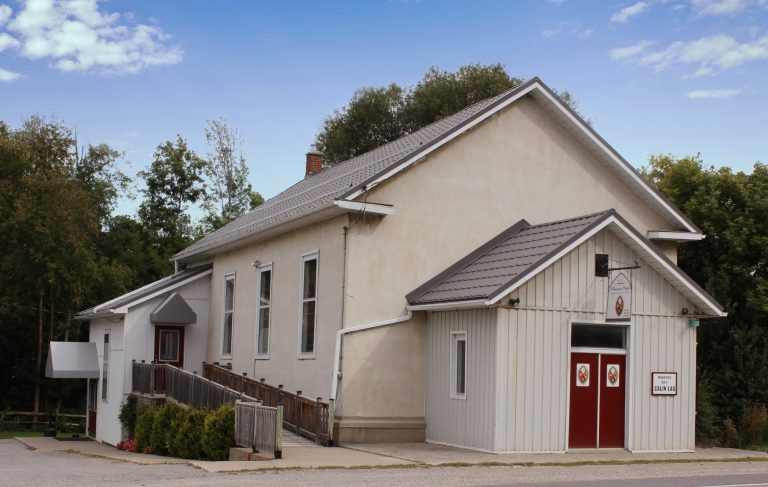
{"type": "Point", "coordinates": [259, 427]}
{"type": "Point", "coordinates": [10, 420]}
{"type": "Point", "coordinates": [305, 417]}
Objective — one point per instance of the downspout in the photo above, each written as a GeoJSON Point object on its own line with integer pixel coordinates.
{"type": "Point", "coordinates": [337, 355]}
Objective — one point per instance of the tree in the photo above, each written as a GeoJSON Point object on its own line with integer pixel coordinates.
{"type": "Point", "coordinates": [96, 171]}
{"type": "Point", "coordinates": [230, 193]}
{"type": "Point", "coordinates": [173, 181]}
{"type": "Point", "coordinates": [731, 263]}
{"type": "Point", "coordinates": [375, 116]}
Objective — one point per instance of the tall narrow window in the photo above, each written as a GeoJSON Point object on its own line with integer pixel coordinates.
{"type": "Point", "coordinates": [459, 364]}
{"type": "Point", "coordinates": [229, 311]}
{"type": "Point", "coordinates": [105, 367]}
{"type": "Point", "coordinates": [308, 303]}
{"type": "Point", "coordinates": [263, 315]}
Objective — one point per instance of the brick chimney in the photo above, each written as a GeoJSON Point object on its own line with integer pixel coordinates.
{"type": "Point", "coordinates": [314, 162]}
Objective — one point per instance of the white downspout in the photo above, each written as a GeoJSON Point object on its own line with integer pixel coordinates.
{"type": "Point", "coordinates": [352, 329]}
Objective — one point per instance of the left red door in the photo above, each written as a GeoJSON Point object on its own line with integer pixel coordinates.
{"type": "Point", "coordinates": [169, 345]}
{"type": "Point", "coordinates": [585, 382]}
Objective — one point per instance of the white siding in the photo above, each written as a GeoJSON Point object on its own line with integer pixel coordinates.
{"type": "Point", "coordinates": [532, 353]}
{"type": "Point", "coordinates": [467, 422]}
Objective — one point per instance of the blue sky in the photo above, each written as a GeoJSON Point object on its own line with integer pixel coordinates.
{"type": "Point", "coordinates": [674, 76]}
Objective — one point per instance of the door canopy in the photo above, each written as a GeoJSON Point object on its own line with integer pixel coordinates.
{"type": "Point", "coordinates": [72, 360]}
{"type": "Point", "coordinates": [174, 310]}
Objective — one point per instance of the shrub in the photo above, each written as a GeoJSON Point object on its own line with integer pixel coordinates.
{"type": "Point", "coordinates": [144, 429]}
{"type": "Point", "coordinates": [128, 417]}
{"type": "Point", "coordinates": [162, 431]}
{"type": "Point", "coordinates": [731, 434]}
{"type": "Point", "coordinates": [189, 434]}
{"type": "Point", "coordinates": [754, 426]}
{"type": "Point", "coordinates": [219, 433]}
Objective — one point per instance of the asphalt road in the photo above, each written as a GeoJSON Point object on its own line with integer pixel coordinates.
{"type": "Point", "coordinates": [22, 467]}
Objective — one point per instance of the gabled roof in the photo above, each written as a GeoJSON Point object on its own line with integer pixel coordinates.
{"type": "Point", "coordinates": [120, 304]}
{"type": "Point", "coordinates": [350, 179]}
{"type": "Point", "coordinates": [519, 253]}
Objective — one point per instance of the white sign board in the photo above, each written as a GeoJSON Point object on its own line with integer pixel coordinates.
{"type": "Point", "coordinates": [619, 299]}
{"type": "Point", "coordinates": [664, 383]}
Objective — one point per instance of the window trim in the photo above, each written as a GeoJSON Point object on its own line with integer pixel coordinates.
{"type": "Point", "coordinates": [306, 256]}
{"type": "Point", "coordinates": [105, 359]}
{"type": "Point", "coordinates": [264, 268]}
{"type": "Point", "coordinates": [232, 276]}
{"type": "Point", "coordinates": [457, 336]}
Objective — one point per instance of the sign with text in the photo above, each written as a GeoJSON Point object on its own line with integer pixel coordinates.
{"type": "Point", "coordinates": [664, 383]}
{"type": "Point", "coordinates": [619, 299]}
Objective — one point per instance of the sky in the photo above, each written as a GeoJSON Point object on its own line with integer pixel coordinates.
{"type": "Point", "coordinates": [676, 77]}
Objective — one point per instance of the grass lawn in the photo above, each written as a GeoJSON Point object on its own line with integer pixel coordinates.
{"type": "Point", "coordinates": [4, 435]}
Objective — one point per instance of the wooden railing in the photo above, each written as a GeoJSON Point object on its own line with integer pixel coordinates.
{"type": "Point", "coordinates": [259, 427]}
{"type": "Point", "coordinates": [305, 417]}
{"type": "Point", "coordinates": [183, 386]}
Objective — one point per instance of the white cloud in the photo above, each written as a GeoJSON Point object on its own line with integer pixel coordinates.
{"type": "Point", "coordinates": [5, 14]}
{"type": "Point", "coordinates": [7, 42]}
{"type": "Point", "coordinates": [8, 76]}
{"type": "Point", "coordinates": [630, 51]}
{"type": "Point", "coordinates": [587, 33]}
{"type": "Point", "coordinates": [717, 93]}
{"type": "Point", "coordinates": [710, 54]}
{"type": "Point", "coordinates": [713, 53]}
{"type": "Point", "coordinates": [570, 27]}
{"type": "Point", "coordinates": [718, 7]}
{"type": "Point", "coordinates": [76, 36]}
{"type": "Point", "coordinates": [626, 13]}
{"type": "Point", "coordinates": [560, 2]}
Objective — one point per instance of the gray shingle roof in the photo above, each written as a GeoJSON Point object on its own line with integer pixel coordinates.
{"type": "Point", "coordinates": [504, 260]}
{"type": "Point", "coordinates": [133, 296]}
{"type": "Point", "coordinates": [320, 190]}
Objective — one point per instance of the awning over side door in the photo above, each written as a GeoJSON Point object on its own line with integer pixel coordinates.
{"type": "Point", "coordinates": [72, 360]}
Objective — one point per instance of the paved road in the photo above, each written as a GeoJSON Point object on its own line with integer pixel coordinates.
{"type": "Point", "coordinates": [22, 467]}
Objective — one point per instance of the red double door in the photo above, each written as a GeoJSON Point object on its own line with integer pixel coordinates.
{"type": "Point", "coordinates": [597, 406]}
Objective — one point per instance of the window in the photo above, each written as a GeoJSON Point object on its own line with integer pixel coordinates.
{"type": "Point", "coordinates": [308, 303]}
{"type": "Point", "coordinates": [459, 364]}
{"type": "Point", "coordinates": [598, 336]}
{"type": "Point", "coordinates": [229, 310]}
{"type": "Point", "coordinates": [169, 346]}
{"type": "Point", "coordinates": [105, 367]}
{"type": "Point", "coordinates": [263, 312]}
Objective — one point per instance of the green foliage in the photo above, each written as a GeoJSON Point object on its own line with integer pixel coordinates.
{"type": "Point", "coordinates": [219, 433]}
{"type": "Point", "coordinates": [375, 116]}
{"type": "Point", "coordinates": [144, 428]}
{"type": "Point", "coordinates": [162, 432]}
{"type": "Point", "coordinates": [229, 194]}
{"type": "Point", "coordinates": [128, 417]}
{"type": "Point", "coordinates": [732, 264]}
{"type": "Point", "coordinates": [173, 181]}
{"type": "Point", "coordinates": [188, 428]}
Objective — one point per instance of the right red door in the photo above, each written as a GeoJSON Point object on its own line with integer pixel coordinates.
{"type": "Point", "coordinates": [597, 403]}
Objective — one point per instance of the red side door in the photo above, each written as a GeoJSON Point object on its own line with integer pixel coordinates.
{"type": "Point", "coordinates": [584, 384]}
{"type": "Point", "coordinates": [169, 345]}
{"type": "Point", "coordinates": [612, 400]}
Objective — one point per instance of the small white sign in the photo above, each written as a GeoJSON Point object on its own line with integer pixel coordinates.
{"type": "Point", "coordinates": [664, 383]}
{"type": "Point", "coordinates": [612, 375]}
{"type": "Point", "coordinates": [619, 299]}
{"type": "Point", "coordinates": [582, 375]}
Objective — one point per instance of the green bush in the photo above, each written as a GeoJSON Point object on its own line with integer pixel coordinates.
{"type": "Point", "coordinates": [189, 427]}
{"type": "Point", "coordinates": [754, 426]}
{"type": "Point", "coordinates": [144, 429]}
{"type": "Point", "coordinates": [219, 433]}
{"type": "Point", "coordinates": [128, 417]}
{"type": "Point", "coordinates": [162, 431]}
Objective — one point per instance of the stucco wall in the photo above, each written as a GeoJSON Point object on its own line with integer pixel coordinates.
{"type": "Point", "coordinates": [519, 164]}
{"type": "Point", "coordinates": [311, 376]}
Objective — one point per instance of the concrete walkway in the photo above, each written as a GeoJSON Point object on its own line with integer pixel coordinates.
{"type": "Point", "coordinates": [397, 455]}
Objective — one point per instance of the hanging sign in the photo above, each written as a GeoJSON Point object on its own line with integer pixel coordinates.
{"type": "Point", "coordinates": [664, 383]}
{"type": "Point", "coordinates": [612, 375]}
{"type": "Point", "coordinates": [582, 375]}
{"type": "Point", "coordinates": [619, 299]}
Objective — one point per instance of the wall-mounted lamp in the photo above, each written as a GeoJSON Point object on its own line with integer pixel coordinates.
{"type": "Point", "coordinates": [514, 301]}
{"type": "Point", "coordinates": [684, 311]}
{"type": "Point", "coordinates": [256, 264]}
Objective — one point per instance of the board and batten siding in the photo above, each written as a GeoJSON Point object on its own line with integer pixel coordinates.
{"type": "Point", "coordinates": [531, 354]}
{"type": "Point", "coordinates": [467, 422]}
